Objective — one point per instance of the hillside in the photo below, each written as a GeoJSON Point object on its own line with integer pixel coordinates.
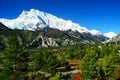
{"type": "Point", "coordinates": [48, 37]}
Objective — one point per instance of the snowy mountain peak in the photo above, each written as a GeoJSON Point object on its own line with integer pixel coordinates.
{"type": "Point", "coordinates": [95, 32]}
{"type": "Point", "coordinates": [110, 34]}
{"type": "Point", "coordinates": [34, 19]}
{"type": "Point", "coordinates": [32, 12]}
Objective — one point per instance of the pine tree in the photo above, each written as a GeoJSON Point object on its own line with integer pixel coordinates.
{"type": "Point", "coordinates": [14, 54]}
{"type": "Point", "coordinates": [89, 65]}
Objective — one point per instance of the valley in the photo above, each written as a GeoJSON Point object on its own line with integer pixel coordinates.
{"type": "Point", "coordinates": [101, 61]}
{"type": "Point", "coordinates": [39, 46]}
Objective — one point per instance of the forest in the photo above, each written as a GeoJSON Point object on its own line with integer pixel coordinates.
{"type": "Point", "coordinates": [75, 62]}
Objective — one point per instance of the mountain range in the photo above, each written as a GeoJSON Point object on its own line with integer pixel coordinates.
{"type": "Point", "coordinates": [36, 28]}
{"type": "Point", "coordinates": [35, 19]}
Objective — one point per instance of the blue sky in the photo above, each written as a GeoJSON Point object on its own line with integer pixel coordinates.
{"type": "Point", "coordinates": [102, 15]}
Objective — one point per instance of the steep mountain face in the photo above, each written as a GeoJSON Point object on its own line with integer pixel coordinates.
{"type": "Point", "coordinates": [24, 36]}
{"type": "Point", "coordinates": [34, 20]}
{"type": "Point", "coordinates": [3, 27]}
{"type": "Point", "coordinates": [54, 37]}
{"type": "Point", "coordinates": [48, 37]}
{"type": "Point", "coordinates": [36, 28]}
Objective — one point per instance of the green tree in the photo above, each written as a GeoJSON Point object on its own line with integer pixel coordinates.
{"type": "Point", "coordinates": [14, 54]}
{"type": "Point", "coordinates": [56, 77]}
{"type": "Point", "coordinates": [109, 64]}
{"type": "Point", "coordinates": [45, 60]}
{"type": "Point", "coordinates": [4, 73]}
{"type": "Point", "coordinates": [89, 65]}
{"type": "Point", "coordinates": [38, 61]}
{"type": "Point", "coordinates": [63, 61]}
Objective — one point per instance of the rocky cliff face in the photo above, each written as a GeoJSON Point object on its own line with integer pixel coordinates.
{"type": "Point", "coordinates": [43, 41]}
{"type": "Point", "coordinates": [54, 37]}
{"type": "Point", "coordinates": [36, 28]}
{"type": "Point", "coordinates": [49, 37]}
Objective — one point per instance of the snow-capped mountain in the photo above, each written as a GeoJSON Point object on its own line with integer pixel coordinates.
{"type": "Point", "coordinates": [35, 19]}
{"type": "Point", "coordinates": [95, 32]}
{"type": "Point", "coordinates": [110, 34]}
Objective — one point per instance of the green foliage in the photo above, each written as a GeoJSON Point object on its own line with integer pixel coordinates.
{"type": "Point", "coordinates": [100, 62]}
{"type": "Point", "coordinates": [13, 49]}
{"type": "Point", "coordinates": [45, 60]}
{"type": "Point", "coordinates": [56, 77]}
{"type": "Point", "coordinates": [4, 73]}
{"type": "Point", "coordinates": [89, 65]}
{"type": "Point", "coordinates": [37, 76]}
{"type": "Point", "coordinates": [96, 62]}
{"type": "Point", "coordinates": [105, 51]}
{"type": "Point", "coordinates": [38, 61]}
{"type": "Point", "coordinates": [76, 52]}
{"type": "Point", "coordinates": [14, 55]}
{"type": "Point", "coordinates": [62, 61]}
{"type": "Point", "coordinates": [24, 36]}
{"type": "Point", "coordinates": [109, 64]}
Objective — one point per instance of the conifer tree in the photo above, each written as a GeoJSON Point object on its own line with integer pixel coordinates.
{"type": "Point", "coordinates": [89, 65]}
{"type": "Point", "coordinates": [14, 55]}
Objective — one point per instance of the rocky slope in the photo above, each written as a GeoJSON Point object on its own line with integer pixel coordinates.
{"type": "Point", "coordinates": [48, 37]}
{"type": "Point", "coordinates": [36, 28]}
{"type": "Point", "coordinates": [115, 39]}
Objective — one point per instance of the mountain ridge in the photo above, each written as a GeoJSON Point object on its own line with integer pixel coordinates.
{"type": "Point", "coordinates": [34, 19]}
{"type": "Point", "coordinates": [48, 37]}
